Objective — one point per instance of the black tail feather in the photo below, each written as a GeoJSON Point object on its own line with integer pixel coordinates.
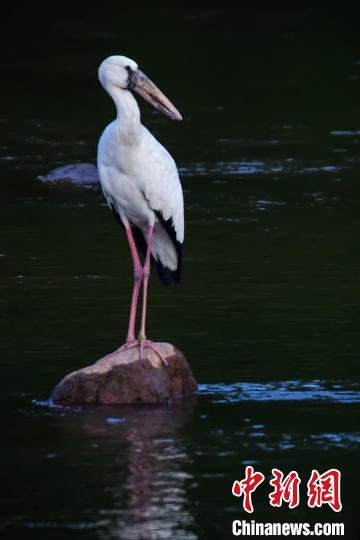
{"type": "Point", "coordinates": [166, 276]}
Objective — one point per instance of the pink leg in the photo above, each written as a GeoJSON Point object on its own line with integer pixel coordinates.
{"type": "Point", "coordinates": [137, 283]}
{"type": "Point", "coordinates": [140, 274]}
{"type": "Point", "coordinates": [146, 273]}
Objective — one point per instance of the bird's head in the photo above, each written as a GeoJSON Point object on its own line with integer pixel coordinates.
{"type": "Point", "coordinates": [122, 72]}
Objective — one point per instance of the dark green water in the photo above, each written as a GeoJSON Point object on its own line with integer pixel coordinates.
{"type": "Point", "coordinates": [268, 312]}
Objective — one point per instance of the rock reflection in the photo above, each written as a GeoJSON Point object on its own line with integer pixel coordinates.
{"type": "Point", "coordinates": [157, 499]}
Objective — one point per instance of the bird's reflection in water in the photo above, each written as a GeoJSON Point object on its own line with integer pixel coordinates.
{"type": "Point", "coordinates": [156, 505]}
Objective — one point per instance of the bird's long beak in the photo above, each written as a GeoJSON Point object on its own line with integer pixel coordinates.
{"type": "Point", "coordinates": [149, 91]}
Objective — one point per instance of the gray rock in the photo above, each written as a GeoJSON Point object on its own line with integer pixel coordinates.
{"type": "Point", "coordinates": [82, 174]}
{"type": "Point", "coordinates": [122, 378]}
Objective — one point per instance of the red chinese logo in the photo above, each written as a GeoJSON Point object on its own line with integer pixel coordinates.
{"type": "Point", "coordinates": [285, 489]}
{"type": "Point", "coordinates": [247, 486]}
{"type": "Point", "coordinates": [324, 489]}
{"type": "Point", "coordinates": [321, 488]}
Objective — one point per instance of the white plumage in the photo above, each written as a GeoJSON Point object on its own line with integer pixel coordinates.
{"type": "Point", "coordinates": [141, 184]}
{"type": "Point", "coordinates": [138, 176]}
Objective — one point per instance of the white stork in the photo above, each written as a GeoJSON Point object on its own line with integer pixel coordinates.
{"type": "Point", "coordinates": [141, 184]}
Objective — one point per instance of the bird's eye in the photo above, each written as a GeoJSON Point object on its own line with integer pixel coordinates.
{"type": "Point", "coordinates": [130, 78]}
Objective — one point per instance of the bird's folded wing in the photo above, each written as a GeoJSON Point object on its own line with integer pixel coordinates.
{"type": "Point", "coordinates": [164, 193]}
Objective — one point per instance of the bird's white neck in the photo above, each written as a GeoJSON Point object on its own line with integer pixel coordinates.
{"type": "Point", "coordinates": [128, 113]}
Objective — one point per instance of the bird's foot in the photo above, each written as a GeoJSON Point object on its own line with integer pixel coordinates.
{"type": "Point", "coordinates": [128, 345]}
{"type": "Point", "coordinates": [147, 344]}
{"type": "Point", "coordinates": [143, 343]}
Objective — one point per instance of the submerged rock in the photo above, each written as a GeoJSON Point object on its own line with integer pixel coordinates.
{"type": "Point", "coordinates": [122, 378]}
{"type": "Point", "coordinates": [80, 174]}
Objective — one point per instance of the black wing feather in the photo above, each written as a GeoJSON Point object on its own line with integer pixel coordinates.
{"type": "Point", "coordinates": [169, 277]}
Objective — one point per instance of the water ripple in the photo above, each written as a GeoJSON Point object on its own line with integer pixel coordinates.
{"type": "Point", "coordinates": [259, 167]}
{"type": "Point", "coordinates": [345, 132]}
{"type": "Point", "coordinates": [336, 440]}
{"type": "Point", "coordinates": [295, 390]}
